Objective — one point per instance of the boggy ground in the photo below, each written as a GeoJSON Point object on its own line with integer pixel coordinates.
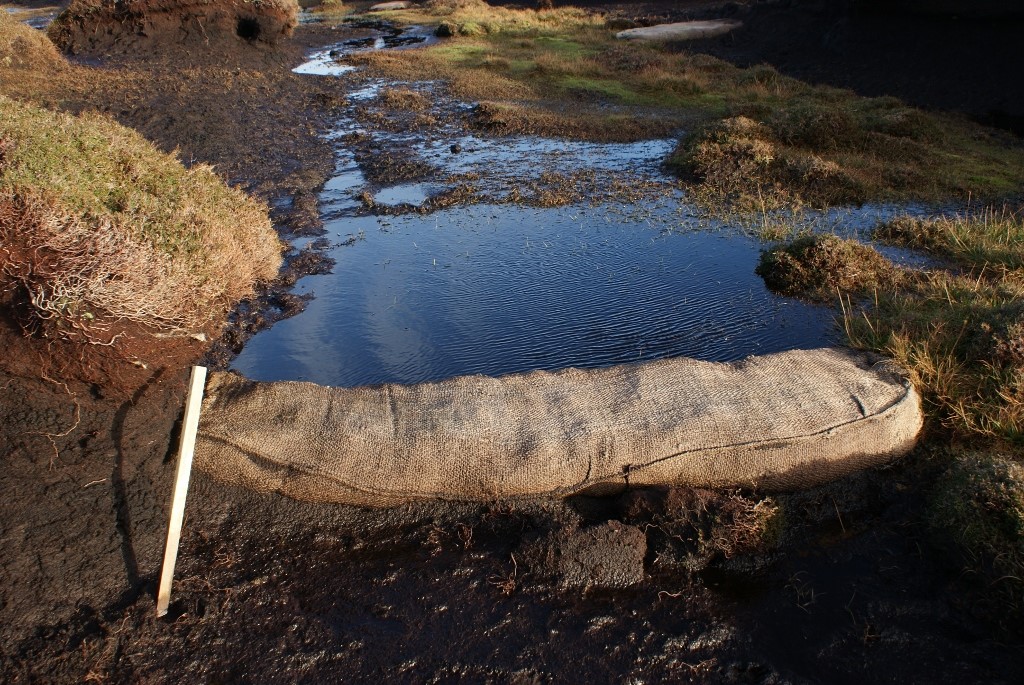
{"type": "Point", "coordinates": [945, 60]}
{"type": "Point", "coordinates": [845, 583]}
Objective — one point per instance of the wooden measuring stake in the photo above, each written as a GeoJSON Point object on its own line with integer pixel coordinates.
{"type": "Point", "coordinates": [186, 448]}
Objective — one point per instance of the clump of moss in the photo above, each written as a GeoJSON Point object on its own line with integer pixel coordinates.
{"type": "Point", "coordinates": [448, 29]}
{"type": "Point", "coordinates": [826, 147]}
{"type": "Point", "coordinates": [921, 234]}
{"type": "Point", "coordinates": [890, 117]}
{"type": "Point", "coordinates": [825, 267]}
{"type": "Point", "coordinates": [327, 7]}
{"type": "Point", "coordinates": [979, 505]}
{"type": "Point", "coordinates": [101, 229]}
{"type": "Point", "coordinates": [815, 125]}
{"type": "Point", "coordinates": [728, 158]}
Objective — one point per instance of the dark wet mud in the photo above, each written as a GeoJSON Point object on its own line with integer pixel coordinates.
{"type": "Point", "coordinates": [271, 590]}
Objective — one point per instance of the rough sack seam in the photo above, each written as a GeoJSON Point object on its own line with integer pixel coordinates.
{"type": "Point", "coordinates": [890, 409]}
{"type": "Point", "coordinates": [780, 421]}
{"type": "Point", "coordinates": [587, 481]}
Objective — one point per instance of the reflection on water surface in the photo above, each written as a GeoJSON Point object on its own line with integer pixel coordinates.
{"type": "Point", "coordinates": [497, 289]}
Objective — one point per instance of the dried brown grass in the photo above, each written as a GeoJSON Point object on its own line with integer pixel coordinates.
{"type": "Point", "coordinates": [404, 99]}
{"type": "Point", "coordinates": [99, 227]}
{"type": "Point", "coordinates": [23, 47]}
{"type": "Point", "coordinates": [992, 238]}
{"type": "Point", "coordinates": [501, 118]}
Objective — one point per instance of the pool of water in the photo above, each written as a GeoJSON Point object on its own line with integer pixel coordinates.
{"type": "Point", "coordinates": [38, 18]}
{"type": "Point", "coordinates": [496, 290]}
{"type": "Point", "coordinates": [502, 288]}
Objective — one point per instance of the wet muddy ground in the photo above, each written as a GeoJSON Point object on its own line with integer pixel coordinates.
{"type": "Point", "coordinates": [643, 587]}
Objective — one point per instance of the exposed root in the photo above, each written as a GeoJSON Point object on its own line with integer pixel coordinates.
{"type": "Point", "coordinates": [506, 585]}
{"type": "Point", "coordinates": [51, 437]}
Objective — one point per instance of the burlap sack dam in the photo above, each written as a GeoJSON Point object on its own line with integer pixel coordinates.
{"type": "Point", "coordinates": [781, 421]}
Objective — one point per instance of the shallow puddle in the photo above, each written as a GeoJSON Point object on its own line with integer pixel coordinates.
{"type": "Point", "coordinates": [502, 288]}
{"type": "Point", "coordinates": [414, 194]}
{"type": "Point", "coordinates": [496, 290]}
{"type": "Point", "coordinates": [36, 17]}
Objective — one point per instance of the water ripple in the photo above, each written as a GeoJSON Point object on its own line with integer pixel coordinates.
{"type": "Point", "coordinates": [496, 290]}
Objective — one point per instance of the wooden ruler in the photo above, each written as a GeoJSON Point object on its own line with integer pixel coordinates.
{"type": "Point", "coordinates": [186, 448]}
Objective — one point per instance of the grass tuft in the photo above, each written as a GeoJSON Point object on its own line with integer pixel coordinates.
{"type": "Point", "coordinates": [993, 238]}
{"type": "Point", "coordinates": [821, 267]}
{"type": "Point", "coordinates": [404, 99]}
{"type": "Point", "coordinates": [961, 336]}
{"type": "Point", "coordinates": [23, 47]}
{"type": "Point", "coordinates": [99, 227]}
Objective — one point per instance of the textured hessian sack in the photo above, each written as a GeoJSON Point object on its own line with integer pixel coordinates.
{"type": "Point", "coordinates": [780, 421]}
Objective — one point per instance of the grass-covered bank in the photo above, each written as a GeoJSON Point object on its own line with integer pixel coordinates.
{"type": "Point", "coordinates": [753, 137]}
{"type": "Point", "coordinates": [101, 231]}
{"type": "Point", "coordinates": [99, 227]}
{"type": "Point", "coordinates": [958, 328]}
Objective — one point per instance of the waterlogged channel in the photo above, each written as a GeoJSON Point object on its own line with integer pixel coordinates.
{"type": "Point", "coordinates": [497, 288]}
